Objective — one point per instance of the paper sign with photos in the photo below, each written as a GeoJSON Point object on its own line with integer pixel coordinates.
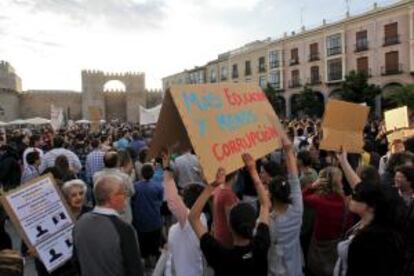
{"type": "Point", "coordinates": [41, 216]}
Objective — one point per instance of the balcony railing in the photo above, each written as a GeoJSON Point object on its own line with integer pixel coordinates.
{"type": "Point", "coordinates": [314, 57]}
{"type": "Point", "coordinates": [295, 83]}
{"type": "Point", "coordinates": [223, 78]}
{"type": "Point", "coordinates": [367, 72]}
{"type": "Point", "coordinates": [391, 40]}
{"type": "Point", "coordinates": [274, 64]}
{"type": "Point", "coordinates": [235, 75]}
{"type": "Point", "coordinates": [213, 80]}
{"type": "Point", "coordinates": [275, 85]}
{"type": "Point", "coordinates": [335, 76]}
{"type": "Point", "coordinates": [361, 45]}
{"type": "Point", "coordinates": [391, 70]}
{"type": "Point", "coordinates": [334, 51]}
{"type": "Point", "coordinates": [261, 68]}
{"type": "Point", "coordinates": [294, 61]}
{"type": "Point", "coordinates": [315, 80]}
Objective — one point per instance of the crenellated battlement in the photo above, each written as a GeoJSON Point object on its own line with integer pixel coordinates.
{"type": "Point", "coordinates": [115, 91]}
{"type": "Point", "coordinates": [155, 91]}
{"type": "Point", "coordinates": [112, 74]}
{"type": "Point", "coordinates": [6, 67]}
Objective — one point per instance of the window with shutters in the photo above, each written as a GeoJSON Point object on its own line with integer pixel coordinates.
{"type": "Point", "coordinates": [274, 79]}
{"type": "Point", "coordinates": [391, 36]}
{"type": "Point", "coordinates": [235, 72]}
{"type": "Point", "coordinates": [362, 65]}
{"type": "Point", "coordinates": [262, 81]}
{"type": "Point", "coordinates": [295, 79]}
{"type": "Point", "coordinates": [314, 52]}
{"type": "Point", "coordinates": [247, 68]}
{"type": "Point", "coordinates": [213, 75]}
{"type": "Point", "coordinates": [262, 65]}
{"type": "Point", "coordinates": [315, 77]}
{"type": "Point", "coordinates": [361, 41]}
{"type": "Point", "coordinates": [274, 59]}
{"type": "Point", "coordinates": [392, 65]}
{"type": "Point", "coordinates": [335, 69]}
{"type": "Point", "coordinates": [334, 45]}
{"type": "Point", "coordinates": [223, 73]}
{"type": "Point", "coordinates": [294, 56]}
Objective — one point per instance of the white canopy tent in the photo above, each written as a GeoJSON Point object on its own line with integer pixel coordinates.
{"type": "Point", "coordinates": [17, 122]}
{"type": "Point", "coordinates": [37, 121]}
{"type": "Point", "coordinates": [2, 124]}
{"type": "Point", "coordinates": [83, 121]}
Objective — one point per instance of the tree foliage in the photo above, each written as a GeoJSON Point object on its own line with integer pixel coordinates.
{"type": "Point", "coordinates": [276, 100]}
{"type": "Point", "coordinates": [356, 89]}
{"type": "Point", "coordinates": [308, 102]}
{"type": "Point", "coordinates": [401, 96]}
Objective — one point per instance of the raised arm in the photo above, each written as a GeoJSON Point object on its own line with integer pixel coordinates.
{"type": "Point", "coordinates": [261, 191]}
{"type": "Point", "coordinates": [291, 163]}
{"type": "Point", "coordinates": [350, 174]}
{"type": "Point", "coordinates": [174, 201]}
{"type": "Point", "coordinates": [195, 212]}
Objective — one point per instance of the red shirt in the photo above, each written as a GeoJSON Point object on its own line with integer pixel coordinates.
{"type": "Point", "coordinates": [223, 199]}
{"type": "Point", "coordinates": [330, 220]}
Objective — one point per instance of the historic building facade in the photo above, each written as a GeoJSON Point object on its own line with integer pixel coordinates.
{"type": "Point", "coordinates": [379, 42]}
{"type": "Point", "coordinates": [114, 104]}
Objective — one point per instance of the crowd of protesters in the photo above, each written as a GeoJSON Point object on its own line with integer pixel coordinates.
{"type": "Point", "coordinates": [298, 211]}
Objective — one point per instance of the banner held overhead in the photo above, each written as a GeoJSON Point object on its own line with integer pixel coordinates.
{"type": "Point", "coordinates": [220, 122]}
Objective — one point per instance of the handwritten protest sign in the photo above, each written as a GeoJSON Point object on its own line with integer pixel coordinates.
{"type": "Point", "coordinates": [42, 220]}
{"type": "Point", "coordinates": [220, 122]}
{"type": "Point", "coordinates": [95, 115]}
{"type": "Point", "coordinates": [343, 125]}
{"type": "Point", "coordinates": [397, 124]}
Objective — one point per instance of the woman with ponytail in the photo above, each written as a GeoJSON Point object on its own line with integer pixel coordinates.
{"type": "Point", "coordinates": [248, 255]}
{"type": "Point", "coordinates": [285, 254]}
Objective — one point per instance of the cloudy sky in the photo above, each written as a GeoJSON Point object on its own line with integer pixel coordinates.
{"type": "Point", "coordinates": [50, 41]}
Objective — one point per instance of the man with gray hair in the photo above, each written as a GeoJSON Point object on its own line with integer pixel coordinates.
{"type": "Point", "coordinates": [104, 244]}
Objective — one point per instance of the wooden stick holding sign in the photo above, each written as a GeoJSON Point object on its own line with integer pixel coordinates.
{"type": "Point", "coordinates": [343, 125]}
{"type": "Point", "coordinates": [42, 219]}
{"type": "Point", "coordinates": [220, 122]}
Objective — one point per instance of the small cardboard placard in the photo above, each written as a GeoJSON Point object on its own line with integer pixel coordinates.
{"type": "Point", "coordinates": [343, 125]}
{"type": "Point", "coordinates": [42, 219]}
{"type": "Point", "coordinates": [220, 122]}
{"type": "Point", "coordinates": [95, 116]}
{"type": "Point", "coordinates": [397, 123]}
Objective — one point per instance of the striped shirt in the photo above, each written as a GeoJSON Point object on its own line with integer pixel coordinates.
{"type": "Point", "coordinates": [94, 163]}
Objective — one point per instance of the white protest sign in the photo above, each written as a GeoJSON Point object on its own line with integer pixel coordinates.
{"type": "Point", "coordinates": [42, 219]}
{"type": "Point", "coordinates": [149, 116]}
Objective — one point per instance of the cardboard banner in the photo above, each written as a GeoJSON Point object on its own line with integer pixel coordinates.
{"type": "Point", "coordinates": [42, 219]}
{"type": "Point", "coordinates": [149, 116]}
{"type": "Point", "coordinates": [220, 122]}
{"type": "Point", "coordinates": [343, 125]}
{"type": "Point", "coordinates": [95, 117]}
{"type": "Point", "coordinates": [56, 117]}
{"type": "Point", "coordinates": [398, 124]}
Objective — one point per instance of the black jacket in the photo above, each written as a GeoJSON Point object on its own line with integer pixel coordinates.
{"type": "Point", "coordinates": [10, 170]}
